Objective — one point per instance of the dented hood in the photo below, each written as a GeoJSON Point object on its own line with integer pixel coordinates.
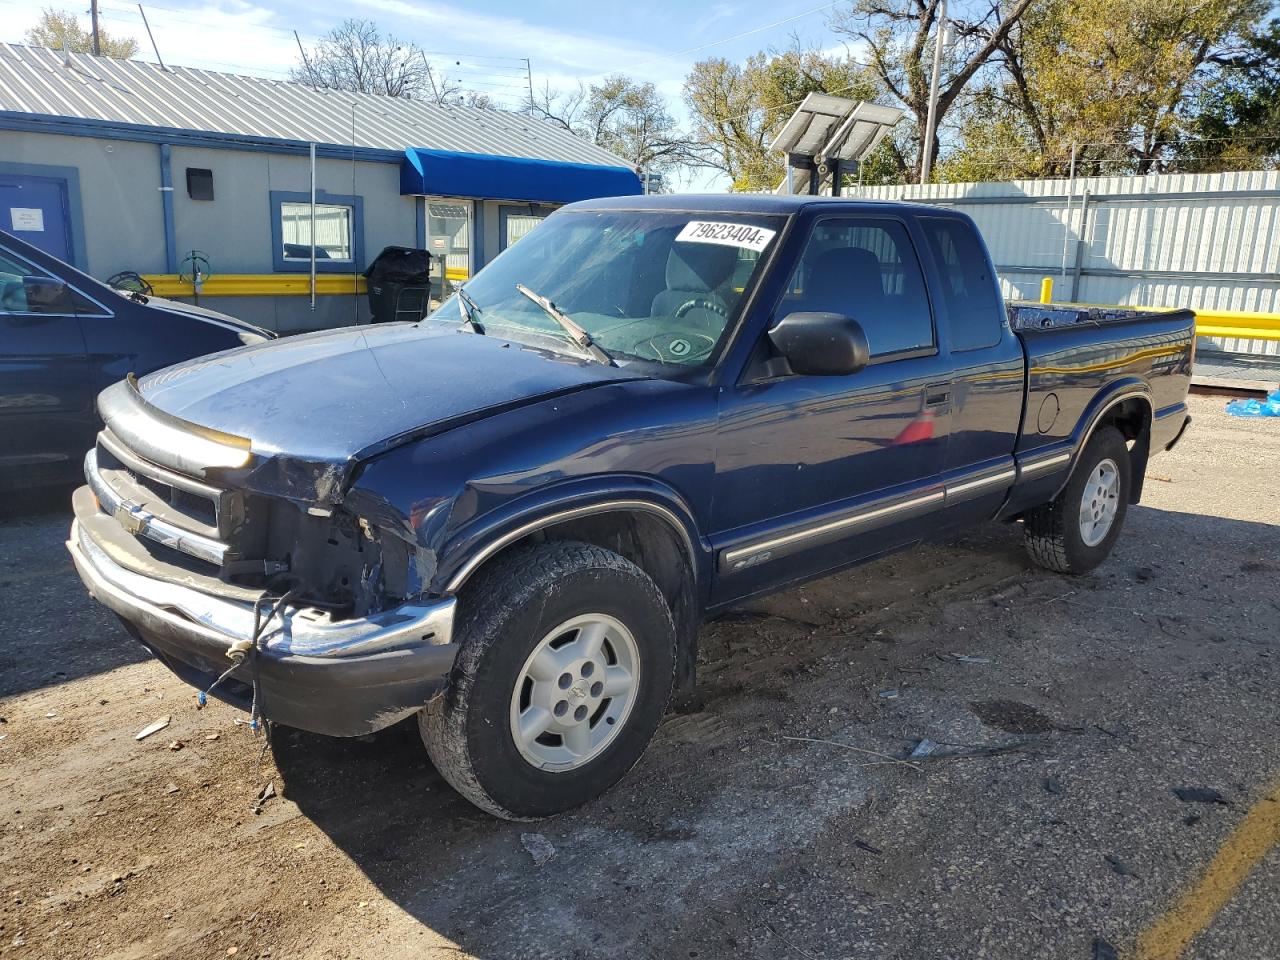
{"type": "Point", "coordinates": [314, 406]}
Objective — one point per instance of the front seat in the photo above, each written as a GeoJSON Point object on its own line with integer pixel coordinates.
{"type": "Point", "coordinates": [696, 271]}
{"type": "Point", "coordinates": [834, 274]}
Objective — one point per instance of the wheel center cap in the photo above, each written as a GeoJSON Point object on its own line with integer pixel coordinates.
{"type": "Point", "coordinates": [578, 692]}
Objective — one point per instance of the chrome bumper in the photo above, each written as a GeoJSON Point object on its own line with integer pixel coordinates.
{"type": "Point", "coordinates": [343, 678]}
{"type": "Point", "coordinates": [295, 632]}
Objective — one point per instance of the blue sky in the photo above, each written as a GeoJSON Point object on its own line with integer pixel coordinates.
{"type": "Point", "coordinates": [479, 44]}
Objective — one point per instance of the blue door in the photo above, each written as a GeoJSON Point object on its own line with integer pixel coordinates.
{"type": "Point", "coordinates": [35, 209]}
{"type": "Point", "coordinates": [815, 472]}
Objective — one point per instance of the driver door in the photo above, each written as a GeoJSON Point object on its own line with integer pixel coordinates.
{"type": "Point", "coordinates": [815, 472]}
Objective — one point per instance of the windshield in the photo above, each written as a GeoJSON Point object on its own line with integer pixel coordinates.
{"type": "Point", "coordinates": [646, 286]}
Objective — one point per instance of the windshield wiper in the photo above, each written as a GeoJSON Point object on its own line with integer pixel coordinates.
{"type": "Point", "coordinates": [468, 308]}
{"type": "Point", "coordinates": [575, 332]}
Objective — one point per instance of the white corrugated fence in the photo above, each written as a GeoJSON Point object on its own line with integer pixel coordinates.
{"type": "Point", "coordinates": [1205, 241]}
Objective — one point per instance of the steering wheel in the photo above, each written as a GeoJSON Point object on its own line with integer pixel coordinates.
{"type": "Point", "coordinates": [701, 303]}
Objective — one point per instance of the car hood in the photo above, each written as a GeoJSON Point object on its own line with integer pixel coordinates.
{"type": "Point", "coordinates": [210, 316]}
{"type": "Point", "coordinates": [314, 406]}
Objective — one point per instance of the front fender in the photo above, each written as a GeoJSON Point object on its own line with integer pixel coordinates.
{"type": "Point", "coordinates": [470, 546]}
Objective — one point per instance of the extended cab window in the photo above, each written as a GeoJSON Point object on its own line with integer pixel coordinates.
{"type": "Point", "coordinates": [867, 270]}
{"type": "Point", "coordinates": [650, 286]}
{"type": "Point", "coordinates": [974, 317]}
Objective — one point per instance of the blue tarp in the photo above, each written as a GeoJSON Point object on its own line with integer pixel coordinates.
{"type": "Point", "coordinates": [1269, 407]}
{"type": "Point", "coordinates": [442, 173]}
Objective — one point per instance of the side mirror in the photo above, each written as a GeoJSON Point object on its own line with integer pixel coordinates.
{"type": "Point", "coordinates": [821, 344]}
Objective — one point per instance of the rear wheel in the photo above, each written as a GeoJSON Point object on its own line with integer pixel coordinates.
{"type": "Point", "coordinates": [1075, 531]}
{"type": "Point", "coordinates": [565, 669]}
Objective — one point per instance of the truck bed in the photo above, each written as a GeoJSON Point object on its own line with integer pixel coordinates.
{"type": "Point", "coordinates": [1029, 315]}
{"type": "Point", "coordinates": [1078, 355]}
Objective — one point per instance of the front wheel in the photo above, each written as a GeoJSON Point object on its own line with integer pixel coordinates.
{"type": "Point", "coordinates": [1075, 531]}
{"type": "Point", "coordinates": [565, 669]}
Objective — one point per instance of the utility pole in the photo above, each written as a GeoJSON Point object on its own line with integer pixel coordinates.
{"type": "Point", "coordinates": [528, 72]}
{"type": "Point", "coordinates": [931, 124]}
{"type": "Point", "coordinates": [93, 15]}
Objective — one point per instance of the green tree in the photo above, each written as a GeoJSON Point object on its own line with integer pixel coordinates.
{"type": "Point", "coordinates": [1235, 122]}
{"type": "Point", "coordinates": [737, 110]}
{"type": "Point", "coordinates": [61, 30]}
{"type": "Point", "coordinates": [1122, 82]}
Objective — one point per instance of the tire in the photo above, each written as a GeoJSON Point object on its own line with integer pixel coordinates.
{"type": "Point", "coordinates": [1054, 534]}
{"type": "Point", "coordinates": [536, 605]}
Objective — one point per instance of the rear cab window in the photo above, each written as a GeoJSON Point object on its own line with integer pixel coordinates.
{"type": "Point", "coordinates": [974, 317]}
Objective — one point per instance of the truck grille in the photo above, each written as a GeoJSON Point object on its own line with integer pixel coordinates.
{"type": "Point", "coordinates": [162, 506]}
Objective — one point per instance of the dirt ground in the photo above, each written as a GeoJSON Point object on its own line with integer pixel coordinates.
{"type": "Point", "coordinates": [772, 817]}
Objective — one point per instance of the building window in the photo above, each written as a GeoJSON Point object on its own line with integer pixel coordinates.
{"type": "Point", "coordinates": [515, 222]}
{"type": "Point", "coordinates": [339, 232]}
{"type": "Point", "coordinates": [449, 241]}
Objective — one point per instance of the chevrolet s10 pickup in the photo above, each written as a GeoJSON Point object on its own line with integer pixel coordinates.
{"type": "Point", "coordinates": [509, 519]}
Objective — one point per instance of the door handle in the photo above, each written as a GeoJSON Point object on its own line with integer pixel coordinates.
{"type": "Point", "coordinates": [937, 398]}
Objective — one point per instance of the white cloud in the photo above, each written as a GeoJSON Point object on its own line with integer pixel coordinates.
{"type": "Point", "coordinates": [551, 49]}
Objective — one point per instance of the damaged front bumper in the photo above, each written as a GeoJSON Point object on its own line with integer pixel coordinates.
{"type": "Point", "coordinates": [340, 678]}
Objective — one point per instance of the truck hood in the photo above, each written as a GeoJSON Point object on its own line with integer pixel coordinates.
{"type": "Point", "coordinates": [314, 406]}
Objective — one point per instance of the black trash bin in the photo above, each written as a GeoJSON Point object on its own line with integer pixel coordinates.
{"type": "Point", "coordinates": [399, 284]}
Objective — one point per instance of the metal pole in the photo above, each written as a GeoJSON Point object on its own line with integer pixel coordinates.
{"type": "Point", "coordinates": [931, 124]}
{"type": "Point", "coordinates": [93, 16]}
{"type": "Point", "coordinates": [1066, 216]}
{"type": "Point", "coordinates": [313, 227]}
{"type": "Point", "coordinates": [528, 72]}
{"type": "Point", "coordinates": [305, 62]}
{"type": "Point", "coordinates": [151, 38]}
{"type": "Point", "coordinates": [1079, 268]}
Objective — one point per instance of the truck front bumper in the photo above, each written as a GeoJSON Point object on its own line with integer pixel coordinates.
{"type": "Point", "coordinates": [340, 678]}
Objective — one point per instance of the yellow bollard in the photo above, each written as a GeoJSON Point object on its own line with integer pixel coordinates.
{"type": "Point", "coordinates": [1046, 290]}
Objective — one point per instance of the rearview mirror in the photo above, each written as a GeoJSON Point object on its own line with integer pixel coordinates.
{"type": "Point", "coordinates": [821, 344]}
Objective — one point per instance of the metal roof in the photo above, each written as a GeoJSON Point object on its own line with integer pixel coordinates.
{"type": "Point", "coordinates": [55, 84]}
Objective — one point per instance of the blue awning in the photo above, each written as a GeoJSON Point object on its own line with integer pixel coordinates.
{"type": "Point", "coordinates": [441, 173]}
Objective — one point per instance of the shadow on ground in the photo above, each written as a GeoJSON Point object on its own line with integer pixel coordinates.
{"type": "Point", "coordinates": [710, 815]}
{"type": "Point", "coordinates": [52, 630]}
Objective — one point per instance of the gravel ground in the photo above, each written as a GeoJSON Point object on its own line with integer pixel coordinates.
{"type": "Point", "coordinates": [772, 817]}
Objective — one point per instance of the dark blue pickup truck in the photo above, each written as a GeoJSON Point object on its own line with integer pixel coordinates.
{"type": "Point", "coordinates": [510, 518]}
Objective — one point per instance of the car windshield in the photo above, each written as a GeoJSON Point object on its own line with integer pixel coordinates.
{"type": "Point", "coordinates": [646, 286]}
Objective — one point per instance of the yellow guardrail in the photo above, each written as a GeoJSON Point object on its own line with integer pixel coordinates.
{"type": "Point", "coordinates": [1230, 323]}
{"type": "Point", "coordinates": [1209, 323]}
{"type": "Point", "coordinates": [271, 284]}
{"type": "Point", "coordinates": [258, 285]}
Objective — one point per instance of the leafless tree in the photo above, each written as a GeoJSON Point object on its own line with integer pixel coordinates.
{"type": "Point", "coordinates": [356, 56]}
{"type": "Point", "coordinates": [626, 117]}
{"type": "Point", "coordinates": [899, 36]}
